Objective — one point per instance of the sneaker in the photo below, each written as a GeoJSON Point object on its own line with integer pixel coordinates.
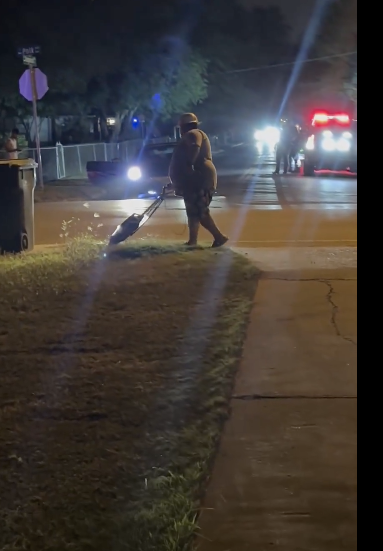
{"type": "Point", "coordinates": [220, 243]}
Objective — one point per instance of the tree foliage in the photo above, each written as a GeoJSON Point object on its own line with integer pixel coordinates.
{"type": "Point", "coordinates": [153, 84]}
{"type": "Point", "coordinates": [331, 83]}
{"type": "Point", "coordinates": [340, 35]}
{"type": "Point", "coordinates": [154, 58]}
{"type": "Point", "coordinates": [235, 39]}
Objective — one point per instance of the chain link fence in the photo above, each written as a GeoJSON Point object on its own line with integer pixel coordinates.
{"type": "Point", "coordinates": [49, 159]}
{"type": "Point", "coordinates": [69, 161]}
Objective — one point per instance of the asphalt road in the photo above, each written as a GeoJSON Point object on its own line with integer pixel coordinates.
{"type": "Point", "coordinates": [253, 207]}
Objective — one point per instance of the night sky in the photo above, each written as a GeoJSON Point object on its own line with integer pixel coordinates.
{"type": "Point", "coordinates": [297, 11]}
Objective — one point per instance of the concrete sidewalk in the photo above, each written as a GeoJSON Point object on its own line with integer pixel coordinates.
{"type": "Point", "coordinates": [286, 473]}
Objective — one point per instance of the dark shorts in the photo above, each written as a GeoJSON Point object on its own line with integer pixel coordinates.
{"type": "Point", "coordinates": [197, 203]}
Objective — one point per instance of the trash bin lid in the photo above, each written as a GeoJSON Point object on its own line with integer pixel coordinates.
{"type": "Point", "coordinates": [22, 163]}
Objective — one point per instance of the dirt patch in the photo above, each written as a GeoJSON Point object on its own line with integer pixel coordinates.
{"type": "Point", "coordinates": [115, 379]}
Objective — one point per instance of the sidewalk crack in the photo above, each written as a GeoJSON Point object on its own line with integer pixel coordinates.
{"type": "Point", "coordinates": [334, 312]}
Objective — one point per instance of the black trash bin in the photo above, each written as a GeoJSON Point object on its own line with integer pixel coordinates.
{"type": "Point", "coordinates": [17, 212]}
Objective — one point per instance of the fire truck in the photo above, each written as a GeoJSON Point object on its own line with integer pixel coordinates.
{"type": "Point", "coordinates": [332, 144]}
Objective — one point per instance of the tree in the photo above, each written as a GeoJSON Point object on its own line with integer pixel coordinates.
{"type": "Point", "coordinates": [138, 61]}
{"type": "Point", "coordinates": [154, 83]}
{"type": "Point", "coordinates": [13, 107]}
{"type": "Point", "coordinates": [235, 39]}
{"type": "Point", "coordinates": [153, 58]}
{"type": "Point", "coordinates": [51, 28]}
{"type": "Point", "coordinates": [331, 83]}
{"type": "Point", "coordinates": [66, 96]}
{"type": "Point", "coordinates": [339, 35]}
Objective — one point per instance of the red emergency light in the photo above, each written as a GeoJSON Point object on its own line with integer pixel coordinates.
{"type": "Point", "coordinates": [323, 119]}
{"type": "Point", "coordinates": [320, 118]}
{"type": "Point", "coordinates": [343, 118]}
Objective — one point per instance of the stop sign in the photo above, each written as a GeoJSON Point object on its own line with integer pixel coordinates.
{"type": "Point", "coordinates": [26, 86]}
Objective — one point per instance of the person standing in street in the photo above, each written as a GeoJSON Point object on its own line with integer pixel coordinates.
{"type": "Point", "coordinates": [295, 148]}
{"type": "Point", "coordinates": [194, 177]}
{"type": "Point", "coordinates": [11, 146]}
{"type": "Point", "coordinates": [283, 151]}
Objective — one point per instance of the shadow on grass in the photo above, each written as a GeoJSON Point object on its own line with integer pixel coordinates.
{"type": "Point", "coordinates": [85, 251]}
{"type": "Point", "coordinates": [143, 249]}
{"type": "Point", "coordinates": [120, 418]}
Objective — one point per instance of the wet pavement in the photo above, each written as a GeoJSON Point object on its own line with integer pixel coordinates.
{"type": "Point", "coordinates": [255, 208]}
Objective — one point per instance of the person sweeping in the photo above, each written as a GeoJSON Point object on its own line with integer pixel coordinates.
{"type": "Point", "coordinates": [194, 177]}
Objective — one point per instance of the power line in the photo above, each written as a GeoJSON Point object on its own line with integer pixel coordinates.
{"type": "Point", "coordinates": [289, 64]}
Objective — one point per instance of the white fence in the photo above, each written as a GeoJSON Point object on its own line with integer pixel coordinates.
{"type": "Point", "coordinates": [67, 162]}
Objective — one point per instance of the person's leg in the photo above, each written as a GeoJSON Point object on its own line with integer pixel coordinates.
{"type": "Point", "coordinates": [278, 161]}
{"type": "Point", "coordinates": [285, 162]}
{"type": "Point", "coordinates": [293, 161]}
{"type": "Point", "coordinates": [194, 225]}
{"type": "Point", "coordinates": [219, 238]}
{"type": "Point", "coordinates": [193, 219]}
{"type": "Point", "coordinates": [207, 221]}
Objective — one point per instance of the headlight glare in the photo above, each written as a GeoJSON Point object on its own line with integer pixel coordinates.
{"type": "Point", "coordinates": [134, 173]}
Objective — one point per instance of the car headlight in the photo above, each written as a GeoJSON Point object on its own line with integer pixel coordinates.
{"type": "Point", "coordinates": [329, 145]}
{"type": "Point", "coordinates": [258, 135]}
{"type": "Point", "coordinates": [310, 145]}
{"type": "Point", "coordinates": [272, 135]}
{"type": "Point", "coordinates": [134, 173]}
{"type": "Point", "coordinates": [344, 145]}
{"type": "Point", "coordinates": [347, 135]}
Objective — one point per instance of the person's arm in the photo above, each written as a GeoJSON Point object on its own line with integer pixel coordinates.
{"type": "Point", "coordinates": [194, 144]}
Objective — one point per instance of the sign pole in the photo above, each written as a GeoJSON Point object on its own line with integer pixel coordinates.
{"type": "Point", "coordinates": [35, 118]}
{"type": "Point", "coordinates": [33, 85]}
